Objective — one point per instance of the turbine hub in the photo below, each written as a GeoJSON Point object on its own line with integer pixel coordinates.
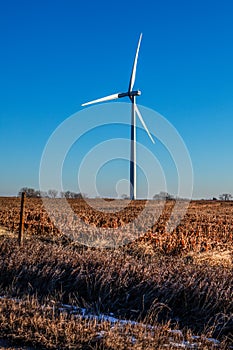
{"type": "Point", "coordinates": [135, 93]}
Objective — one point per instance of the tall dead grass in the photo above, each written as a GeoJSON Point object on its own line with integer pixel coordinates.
{"type": "Point", "coordinates": [150, 289]}
{"type": "Point", "coordinates": [172, 280]}
{"type": "Point", "coordinates": [41, 326]}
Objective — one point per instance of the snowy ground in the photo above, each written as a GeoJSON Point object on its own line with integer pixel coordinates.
{"type": "Point", "coordinates": [113, 320]}
{"type": "Point", "coordinates": [84, 314]}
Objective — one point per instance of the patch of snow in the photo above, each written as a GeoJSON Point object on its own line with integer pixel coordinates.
{"type": "Point", "coordinates": [183, 345]}
{"type": "Point", "coordinates": [212, 340]}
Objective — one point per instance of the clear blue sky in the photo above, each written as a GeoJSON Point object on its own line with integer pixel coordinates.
{"type": "Point", "coordinates": [55, 55]}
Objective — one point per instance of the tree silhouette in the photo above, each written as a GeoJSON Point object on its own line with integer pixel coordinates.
{"type": "Point", "coordinates": [225, 197]}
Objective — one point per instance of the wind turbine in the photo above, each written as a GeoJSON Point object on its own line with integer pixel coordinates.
{"type": "Point", "coordinates": [135, 111]}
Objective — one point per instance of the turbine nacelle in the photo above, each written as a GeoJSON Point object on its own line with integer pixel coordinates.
{"type": "Point", "coordinates": [130, 94]}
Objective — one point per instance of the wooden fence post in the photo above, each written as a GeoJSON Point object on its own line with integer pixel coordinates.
{"type": "Point", "coordinates": [21, 222]}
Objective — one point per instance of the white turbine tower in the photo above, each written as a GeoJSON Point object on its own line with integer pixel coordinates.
{"type": "Point", "coordinates": [135, 111]}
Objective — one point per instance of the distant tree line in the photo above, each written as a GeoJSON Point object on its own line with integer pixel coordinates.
{"type": "Point", "coordinates": [69, 194]}
{"type": "Point", "coordinates": [32, 193]}
{"type": "Point", "coordinates": [167, 196]}
{"type": "Point", "coordinates": [52, 193]}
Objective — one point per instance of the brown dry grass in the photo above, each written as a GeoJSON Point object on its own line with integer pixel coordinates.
{"type": "Point", "coordinates": [182, 279]}
{"type": "Point", "coordinates": [29, 322]}
{"type": "Point", "coordinates": [214, 258]}
{"type": "Point", "coordinates": [207, 225]}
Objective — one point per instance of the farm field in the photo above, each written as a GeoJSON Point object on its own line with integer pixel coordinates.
{"type": "Point", "coordinates": [155, 290]}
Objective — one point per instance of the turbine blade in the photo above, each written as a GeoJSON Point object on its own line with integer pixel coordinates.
{"type": "Point", "coordinates": [102, 99]}
{"type": "Point", "coordinates": [143, 123]}
{"type": "Point", "coordinates": [133, 74]}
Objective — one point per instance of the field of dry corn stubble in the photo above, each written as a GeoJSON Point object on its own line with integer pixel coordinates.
{"type": "Point", "coordinates": [176, 286]}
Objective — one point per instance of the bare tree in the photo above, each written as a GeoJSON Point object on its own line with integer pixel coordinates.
{"type": "Point", "coordinates": [52, 193]}
{"type": "Point", "coordinates": [163, 195]}
{"type": "Point", "coordinates": [30, 192]}
{"type": "Point", "coordinates": [225, 197]}
{"type": "Point", "coordinates": [70, 194]}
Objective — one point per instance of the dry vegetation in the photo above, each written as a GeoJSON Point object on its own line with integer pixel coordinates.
{"type": "Point", "coordinates": [164, 281]}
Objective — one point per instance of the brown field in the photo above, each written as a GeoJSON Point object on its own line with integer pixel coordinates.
{"type": "Point", "coordinates": [174, 284]}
